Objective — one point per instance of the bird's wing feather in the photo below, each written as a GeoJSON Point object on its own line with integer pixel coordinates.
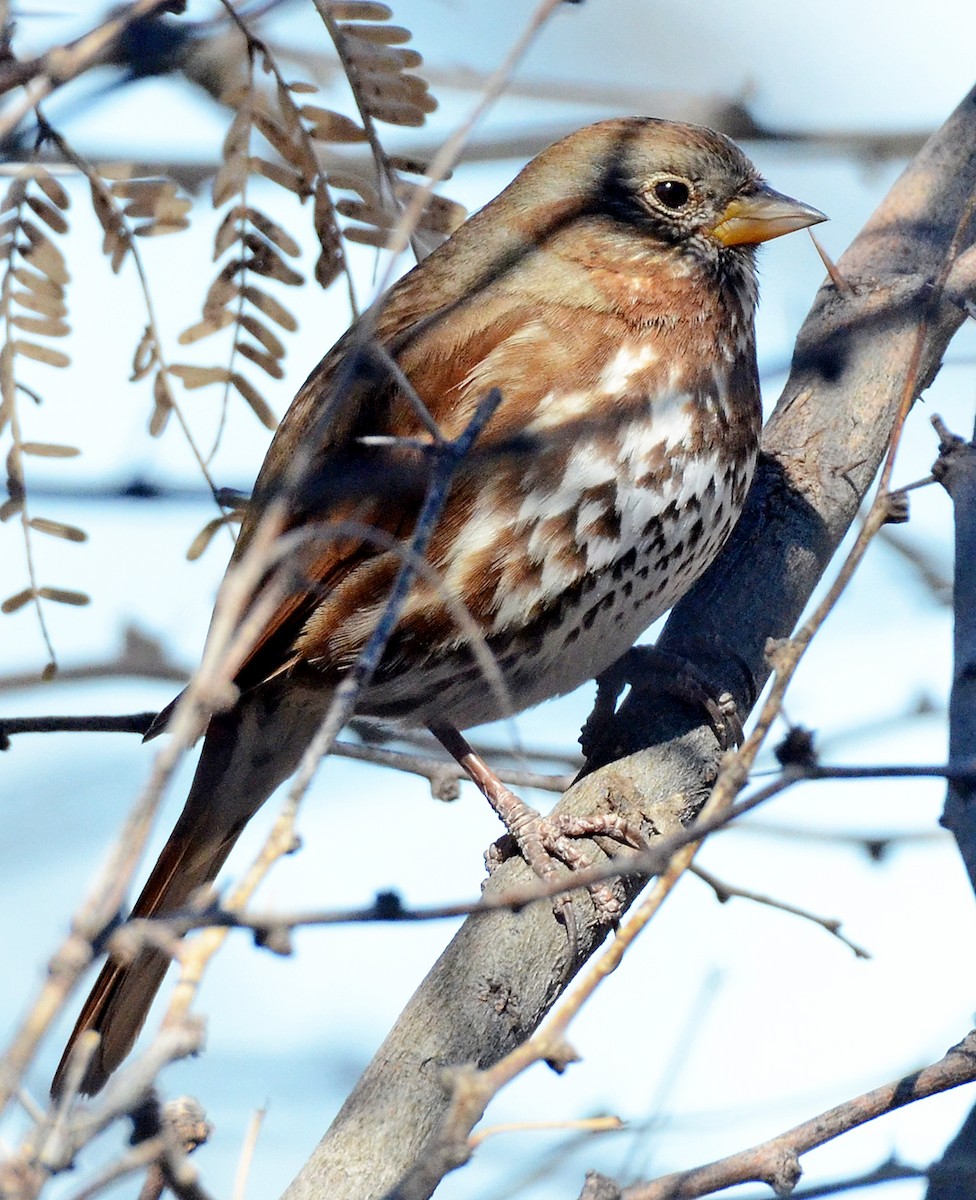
{"type": "Point", "coordinates": [382, 487]}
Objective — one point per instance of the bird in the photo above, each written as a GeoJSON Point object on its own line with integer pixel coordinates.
{"type": "Point", "coordinates": [604, 302]}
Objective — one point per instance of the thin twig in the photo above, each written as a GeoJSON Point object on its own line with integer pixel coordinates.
{"type": "Point", "coordinates": [246, 1158]}
{"type": "Point", "coordinates": [776, 1162]}
{"type": "Point", "coordinates": [726, 891]}
{"type": "Point", "coordinates": [126, 723]}
{"type": "Point", "coordinates": [61, 64]}
{"type": "Point", "coordinates": [586, 1125]}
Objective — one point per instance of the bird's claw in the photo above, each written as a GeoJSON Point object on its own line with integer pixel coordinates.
{"type": "Point", "coordinates": [648, 669]}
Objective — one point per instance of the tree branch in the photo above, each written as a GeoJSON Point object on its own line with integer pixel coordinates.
{"type": "Point", "coordinates": [956, 470]}
{"type": "Point", "coordinates": [776, 1162]}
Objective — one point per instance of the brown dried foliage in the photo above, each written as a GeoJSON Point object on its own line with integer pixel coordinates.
{"type": "Point", "coordinates": [380, 74]}
{"type": "Point", "coordinates": [32, 302]}
{"type": "Point", "coordinates": [254, 244]}
{"type": "Point", "coordinates": [279, 134]}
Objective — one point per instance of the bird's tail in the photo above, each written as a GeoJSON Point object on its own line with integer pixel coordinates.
{"type": "Point", "coordinates": [245, 755]}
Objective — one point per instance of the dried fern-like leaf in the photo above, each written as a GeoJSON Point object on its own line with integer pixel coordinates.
{"type": "Point", "coordinates": [387, 35]}
{"type": "Point", "coordinates": [13, 198]}
{"type": "Point", "coordinates": [162, 405]}
{"type": "Point", "coordinates": [367, 235]}
{"type": "Point", "coordinates": [18, 600]}
{"type": "Point", "coordinates": [161, 228]}
{"type": "Point", "coordinates": [41, 302]}
{"type": "Point", "coordinates": [377, 67]}
{"type": "Point", "coordinates": [270, 307]}
{"type": "Point", "coordinates": [42, 253]}
{"type": "Point", "coordinates": [407, 165]}
{"type": "Point", "coordinates": [48, 213]}
{"type": "Point", "coordinates": [261, 333]}
{"type": "Point", "coordinates": [439, 214]}
{"type": "Point", "coordinates": [381, 71]}
{"type": "Point", "coordinates": [196, 377]}
{"type": "Point", "coordinates": [115, 242]}
{"type": "Point", "coordinates": [255, 400]}
{"type": "Point", "coordinates": [365, 210]}
{"type": "Point", "coordinates": [330, 261]}
{"type": "Point", "coordinates": [43, 354]}
{"type": "Point", "coordinates": [327, 126]}
{"type": "Point", "coordinates": [42, 326]}
{"type": "Point", "coordinates": [238, 135]}
{"type": "Point", "coordinates": [52, 189]}
{"type": "Point", "coordinates": [280, 174]}
{"type": "Point", "coordinates": [375, 47]}
{"type": "Point", "coordinates": [32, 301]}
{"type": "Point", "coordinates": [294, 150]}
{"type": "Point", "coordinates": [249, 244]}
{"type": "Point", "coordinates": [242, 215]}
{"type": "Point", "coordinates": [274, 233]}
{"type": "Point", "coordinates": [220, 320]}
{"type": "Point", "coordinates": [49, 450]}
{"type": "Point", "coordinates": [58, 529]}
{"type": "Point", "coordinates": [359, 10]}
{"type": "Point", "coordinates": [38, 284]}
{"type": "Point", "coordinates": [229, 180]}
{"type": "Point", "coordinates": [154, 201]}
{"type": "Point", "coordinates": [64, 596]}
{"type": "Point", "coordinates": [261, 358]}
{"type": "Point", "coordinates": [146, 355]}
{"type": "Point", "coordinates": [265, 260]}
{"type": "Point", "coordinates": [223, 289]}
{"type": "Point", "coordinates": [395, 109]}
{"type": "Point", "coordinates": [206, 535]}
{"type": "Point", "coordinates": [377, 218]}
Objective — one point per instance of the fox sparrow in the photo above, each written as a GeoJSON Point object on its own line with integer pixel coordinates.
{"type": "Point", "coordinates": [608, 294]}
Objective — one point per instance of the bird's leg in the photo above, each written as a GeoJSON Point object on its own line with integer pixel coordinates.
{"type": "Point", "coordinates": [648, 669]}
{"type": "Point", "coordinates": [542, 841]}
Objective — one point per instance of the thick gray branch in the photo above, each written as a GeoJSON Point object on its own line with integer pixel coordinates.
{"type": "Point", "coordinates": [500, 975]}
{"type": "Point", "coordinates": [956, 470]}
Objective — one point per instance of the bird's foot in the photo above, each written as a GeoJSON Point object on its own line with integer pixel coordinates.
{"type": "Point", "coordinates": [648, 669]}
{"type": "Point", "coordinates": [546, 843]}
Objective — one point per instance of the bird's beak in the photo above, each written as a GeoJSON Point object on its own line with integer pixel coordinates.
{"type": "Point", "coordinates": [761, 215]}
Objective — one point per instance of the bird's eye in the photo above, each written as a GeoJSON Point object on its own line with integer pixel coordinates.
{"type": "Point", "coordinates": [672, 193]}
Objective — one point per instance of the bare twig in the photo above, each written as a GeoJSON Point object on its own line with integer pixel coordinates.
{"type": "Point", "coordinates": [586, 1125]}
{"type": "Point", "coordinates": [126, 723]}
{"type": "Point", "coordinates": [63, 63]}
{"type": "Point", "coordinates": [141, 656]}
{"type": "Point", "coordinates": [726, 891]}
{"type": "Point", "coordinates": [247, 1154]}
{"type": "Point", "coordinates": [776, 1162]}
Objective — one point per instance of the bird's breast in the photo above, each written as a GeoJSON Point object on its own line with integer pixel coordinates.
{"type": "Point", "coordinates": [563, 556]}
{"type": "Point", "coordinates": [624, 518]}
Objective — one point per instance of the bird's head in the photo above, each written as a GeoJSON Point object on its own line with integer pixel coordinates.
{"type": "Point", "coordinates": [677, 184]}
